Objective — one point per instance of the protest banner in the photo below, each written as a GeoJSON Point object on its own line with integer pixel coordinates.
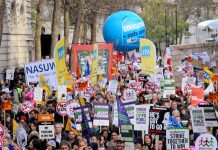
{"type": "Point", "coordinates": [198, 120]}
{"type": "Point", "coordinates": [127, 133]}
{"type": "Point", "coordinates": [15, 107]}
{"type": "Point", "coordinates": [10, 74]}
{"type": "Point", "coordinates": [63, 76]}
{"type": "Point", "coordinates": [141, 118]}
{"type": "Point", "coordinates": [2, 131]}
{"type": "Point", "coordinates": [197, 96]}
{"type": "Point", "coordinates": [6, 105]}
{"type": "Point", "coordinates": [130, 95]}
{"type": "Point", "coordinates": [210, 115]}
{"type": "Point", "coordinates": [177, 139]}
{"type": "Point", "coordinates": [94, 66]}
{"type": "Point", "coordinates": [61, 108]}
{"type": "Point", "coordinates": [156, 117]}
{"type": "Point", "coordinates": [27, 106]}
{"type": "Point", "coordinates": [112, 87]}
{"type": "Point", "coordinates": [129, 106]}
{"type": "Point", "coordinates": [38, 95]}
{"type": "Point", "coordinates": [148, 56]}
{"type": "Point", "coordinates": [78, 117]}
{"type": "Point", "coordinates": [45, 67]}
{"type": "Point", "coordinates": [45, 117]}
{"type": "Point", "coordinates": [152, 87]}
{"type": "Point", "coordinates": [46, 132]}
{"type": "Point", "coordinates": [21, 137]}
{"type": "Point", "coordinates": [101, 114]}
{"type": "Point", "coordinates": [62, 92]}
{"type": "Point", "coordinates": [206, 142]}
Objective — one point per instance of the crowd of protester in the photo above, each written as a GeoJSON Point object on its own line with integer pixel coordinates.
{"type": "Point", "coordinates": [101, 138]}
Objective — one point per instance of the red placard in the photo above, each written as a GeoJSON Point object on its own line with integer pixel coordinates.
{"type": "Point", "coordinates": [197, 96]}
{"type": "Point", "coordinates": [62, 108]}
{"type": "Point", "coordinates": [27, 106]}
{"type": "Point", "coordinates": [2, 131]}
{"type": "Point", "coordinates": [88, 92]}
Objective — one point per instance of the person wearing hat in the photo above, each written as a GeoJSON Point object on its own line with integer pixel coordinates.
{"type": "Point", "coordinates": [51, 145]}
{"type": "Point", "coordinates": [120, 144]}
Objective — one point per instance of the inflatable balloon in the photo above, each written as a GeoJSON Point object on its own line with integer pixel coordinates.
{"type": "Point", "coordinates": [124, 28]}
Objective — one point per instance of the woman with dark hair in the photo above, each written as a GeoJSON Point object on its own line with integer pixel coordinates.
{"type": "Point", "coordinates": [148, 143]}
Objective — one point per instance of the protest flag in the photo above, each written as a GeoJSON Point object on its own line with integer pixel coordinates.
{"type": "Point", "coordinates": [15, 126]}
{"type": "Point", "coordinates": [70, 127]}
{"type": "Point", "coordinates": [123, 118]}
{"type": "Point", "coordinates": [86, 131]}
{"type": "Point", "coordinates": [64, 78]}
{"type": "Point", "coordinates": [43, 84]}
{"type": "Point", "coordinates": [208, 75]}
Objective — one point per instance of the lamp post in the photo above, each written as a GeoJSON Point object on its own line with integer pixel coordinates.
{"type": "Point", "coordinates": [176, 21]}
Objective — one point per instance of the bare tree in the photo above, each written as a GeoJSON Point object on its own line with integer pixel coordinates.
{"type": "Point", "coordinates": [38, 30]}
{"type": "Point", "coordinates": [2, 8]}
{"type": "Point", "coordinates": [55, 25]}
{"type": "Point", "coordinates": [66, 24]}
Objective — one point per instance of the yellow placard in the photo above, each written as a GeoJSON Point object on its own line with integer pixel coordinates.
{"type": "Point", "coordinates": [94, 65]}
{"type": "Point", "coordinates": [148, 56]}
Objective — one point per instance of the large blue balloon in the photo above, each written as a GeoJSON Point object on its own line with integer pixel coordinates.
{"type": "Point", "coordinates": [124, 28]}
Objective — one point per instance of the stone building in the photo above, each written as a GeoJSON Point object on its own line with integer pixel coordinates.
{"type": "Point", "coordinates": [17, 39]}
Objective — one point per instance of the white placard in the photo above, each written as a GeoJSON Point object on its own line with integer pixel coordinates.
{"type": "Point", "coordinates": [177, 139]}
{"type": "Point", "coordinates": [206, 142]}
{"type": "Point", "coordinates": [130, 95]}
{"type": "Point", "coordinates": [61, 108]}
{"type": "Point", "coordinates": [45, 67]}
{"type": "Point", "coordinates": [46, 132]}
{"type": "Point", "coordinates": [38, 94]}
{"type": "Point", "coordinates": [10, 74]}
{"type": "Point", "coordinates": [198, 120]}
{"type": "Point", "coordinates": [141, 117]}
{"type": "Point", "coordinates": [129, 146]}
{"type": "Point", "coordinates": [62, 90]}
{"type": "Point", "coordinates": [21, 137]}
{"type": "Point", "coordinates": [112, 87]}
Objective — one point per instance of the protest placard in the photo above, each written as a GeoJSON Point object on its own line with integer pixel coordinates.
{"type": "Point", "coordinates": [21, 137]}
{"type": "Point", "coordinates": [206, 142]}
{"type": "Point", "coordinates": [88, 92]}
{"type": "Point", "coordinates": [112, 87]}
{"type": "Point", "coordinates": [197, 96]}
{"type": "Point", "coordinates": [27, 106]}
{"type": "Point", "coordinates": [177, 138]}
{"type": "Point", "coordinates": [70, 110]}
{"type": "Point", "coordinates": [78, 117]}
{"type": "Point", "coordinates": [45, 117]}
{"type": "Point", "coordinates": [10, 74]}
{"type": "Point", "coordinates": [62, 108]}
{"type": "Point", "coordinates": [130, 95]}
{"type": "Point", "coordinates": [127, 133]}
{"type": "Point", "coordinates": [101, 112]}
{"type": "Point", "coordinates": [169, 87]}
{"type": "Point", "coordinates": [141, 118]}
{"type": "Point", "coordinates": [46, 131]}
{"type": "Point", "coordinates": [46, 67]}
{"type": "Point", "coordinates": [38, 95]}
{"type": "Point", "coordinates": [2, 131]}
{"type": "Point", "coordinates": [136, 86]}
{"type": "Point", "coordinates": [62, 92]}
{"type": "Point", "coordinates": [187, 84]}
{"type": "Point", "coordinates": [6, 105]}
{"type": "Point", "coordinates": [129, 145]}
{"type": "Point", "coordinates": [15, 107]}
{"type": "Point", "coordinates": [156, 117]}
{"type": "Point", "coordinates": [210, 115]}
{"type": "Point", "coordinates": [198, 120]}
{"type": "Point", "coordinates": [129, 106]}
